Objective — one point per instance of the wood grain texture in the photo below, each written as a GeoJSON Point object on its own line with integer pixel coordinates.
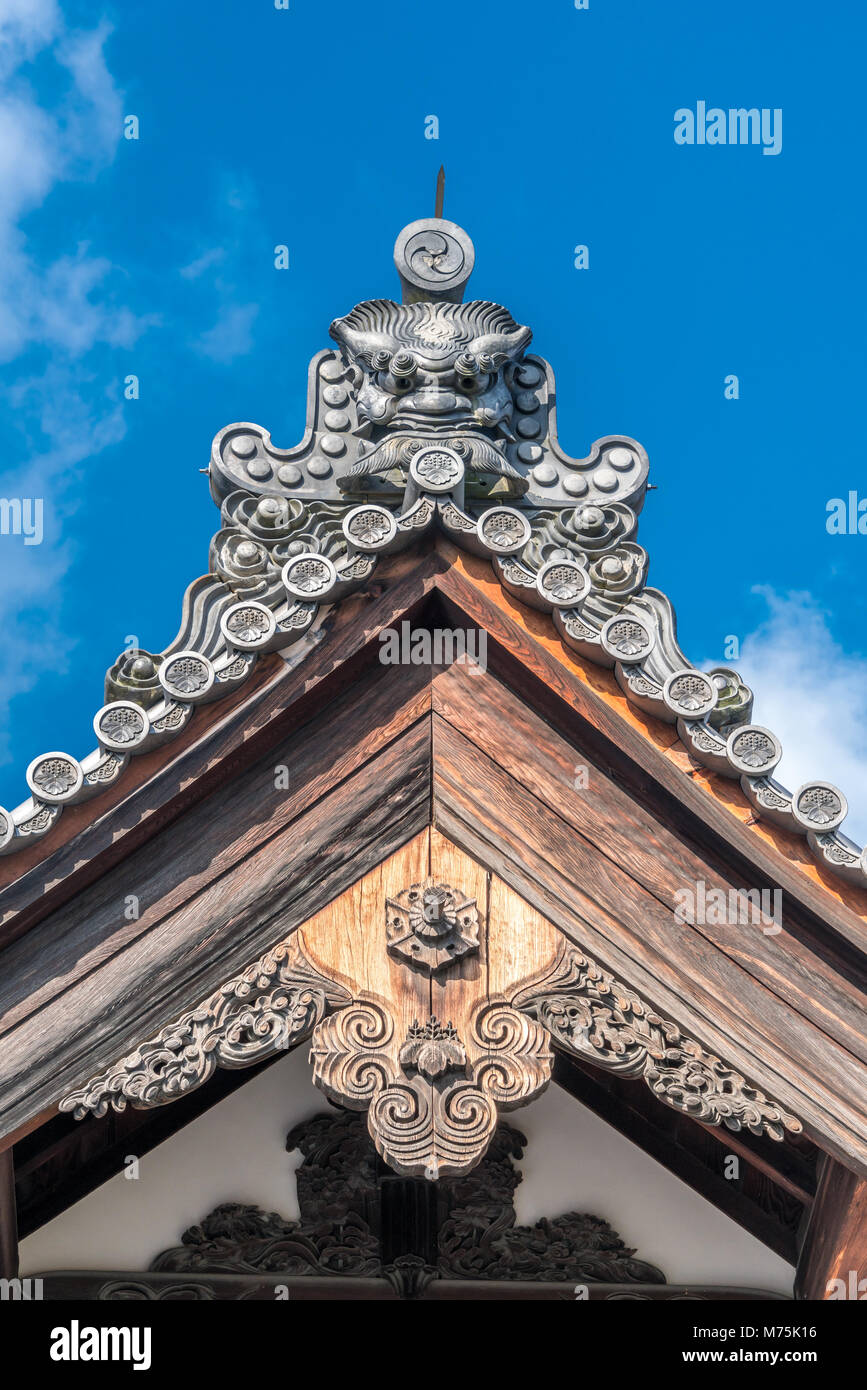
{"type": "Point", "coordinates": [346, 940]}
{"type": "Point", "coordinates": [807, 974]}
{"type": "Point", "coordinates": [685, 976]}
{"type": "Point", "coordinates": [220, 741]}
{"type": "Point", "coordinates": [213, 935]}
{"type": "Point", "coordinates": [521, 943]}
{"type": "Point", "coordinates": [453, 997]}
{"type": "Point", "coordinates": [524, 648]}
{"type": "Point", "coordinates": [221, 866]}
{"type": "Point", "coordinates": [214, 838]}
{"type": "Point", "coordinates": [505, 827]}
{"type": "Point", "coordinates": [423, 1046]}
{"type": "Point", "coordinates": [833, 1259]}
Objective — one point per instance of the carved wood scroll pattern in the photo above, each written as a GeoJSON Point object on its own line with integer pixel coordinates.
{"type": "Point", "coordinates": [272, 1006]}
{"type": "Point", "coordinates": [591, 1014]}
{"type": "Point", "coordinates": [434, 1113]}
{"type": "Point", "coordinates": [433, 1024]}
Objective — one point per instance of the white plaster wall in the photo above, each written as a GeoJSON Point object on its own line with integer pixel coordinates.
{"type": "Point", "coordinates": [575, 1161]}
{"type": "Point", "coordinates": [235, 1152]}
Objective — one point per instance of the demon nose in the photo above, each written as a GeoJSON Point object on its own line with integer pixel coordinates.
{"type": "Point", "coordinates": [434, 402]}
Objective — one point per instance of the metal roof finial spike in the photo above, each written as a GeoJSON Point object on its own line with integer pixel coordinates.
{"type": "Point", "coordinates": [434, 258]}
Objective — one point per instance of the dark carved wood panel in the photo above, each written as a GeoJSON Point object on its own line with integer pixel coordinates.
{"type": "Point", "coordinates": [363, 1234]}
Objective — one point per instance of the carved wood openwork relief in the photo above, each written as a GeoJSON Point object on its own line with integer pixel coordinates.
{"type": "Point", "coordinates": [432, 994]}
{"type": "Point", "coordinates": [364, 1234]}
{"type": "Point", "coordinates": [341, 1230]}
{"type": "Point", "coordinates": [270, 1007]}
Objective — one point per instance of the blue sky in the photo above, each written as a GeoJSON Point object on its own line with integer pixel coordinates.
{"type": "Point", "coordinates": [306, 127]}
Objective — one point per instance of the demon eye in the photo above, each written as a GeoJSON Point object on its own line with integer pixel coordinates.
{"type": "Point", "coordinates": [403, 366]}
{"type": "Point", "coordinates": [466, 366]}
{"type": "Point", "coordinates": [381, 360]}
{"type": "Point", "coordinates": [472, 374]}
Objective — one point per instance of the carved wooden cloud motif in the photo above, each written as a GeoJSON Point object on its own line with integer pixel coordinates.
{"type": "Point", "coordinates": [433, 1112]}
{"type": "Point", "coordinates": [433, 996]}
{"type": "Point", "coordinates": [430, 1046]}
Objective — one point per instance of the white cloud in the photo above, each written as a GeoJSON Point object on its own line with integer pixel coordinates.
{"type": "Point", "coordinates": [55, 311]}
{"type": "Point", "coordinates": [39, 149]}
{"type": "Point", "coordinates": [93, 116]}
{"type": "Point", "coordinates": [204, 262]}
{"type": "Point", "coordinates": [232, 335]}
{"type": "Point", "coordinates": [813, 696]}
{"type": "Point", "coordinates": [26, 26]}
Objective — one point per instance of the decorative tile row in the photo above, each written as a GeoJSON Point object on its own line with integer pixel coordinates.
{"type": "Point", "coordinates": [430, 414]}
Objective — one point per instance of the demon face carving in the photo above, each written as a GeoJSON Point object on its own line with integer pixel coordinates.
{"type": "Point", "coordinates": [432, 368]}
{"type": "Point", "coordinates": [432, 365]}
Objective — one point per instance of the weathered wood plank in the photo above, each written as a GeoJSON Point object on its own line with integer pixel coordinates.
{"type": "Point", "coordinates": [833, 1259]}
{"type": "Point", "coordinates": [217, 933]}
{"type": "Point", "coordinates": [524, 648]}
{"type": "Point", "coordinates": [521, 942]}
{"type": "Point", "coordinates": [346, 939]}
{"type": "Point", "coordinates": [627, 929]}
{"type": "Point", "coordinates": [102, 824]}
{"type": "Point", "coordinates": [210, 840]}
{"type": "Point", "coordinates": [468, 980]}
{"type": "Point", "coordinates": [424, 1046]}
{"type": "Point", "coordinates": [220, 741]}
{"type": "Point", "coordinates": [634, 839]}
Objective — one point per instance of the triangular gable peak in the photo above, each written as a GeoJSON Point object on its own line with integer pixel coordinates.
{"type": "Point", "coordinates": [427, 615]}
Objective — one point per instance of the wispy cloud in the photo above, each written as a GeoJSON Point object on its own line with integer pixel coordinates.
{"type": "Point", "coordinates": [43, 144]}
{"type": "Point", "coordinates": [232, 335]}
{"type": "Point", "coordinates": [213, 256]}
{"type": "Point", "coordinates": [26, 26]}
{"type": "Point", "coordinates": [60, 123]}
{"type": "Point", "coordinates": [218, 269]}
{"type": "Point", "coordinates": [813, 695]}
